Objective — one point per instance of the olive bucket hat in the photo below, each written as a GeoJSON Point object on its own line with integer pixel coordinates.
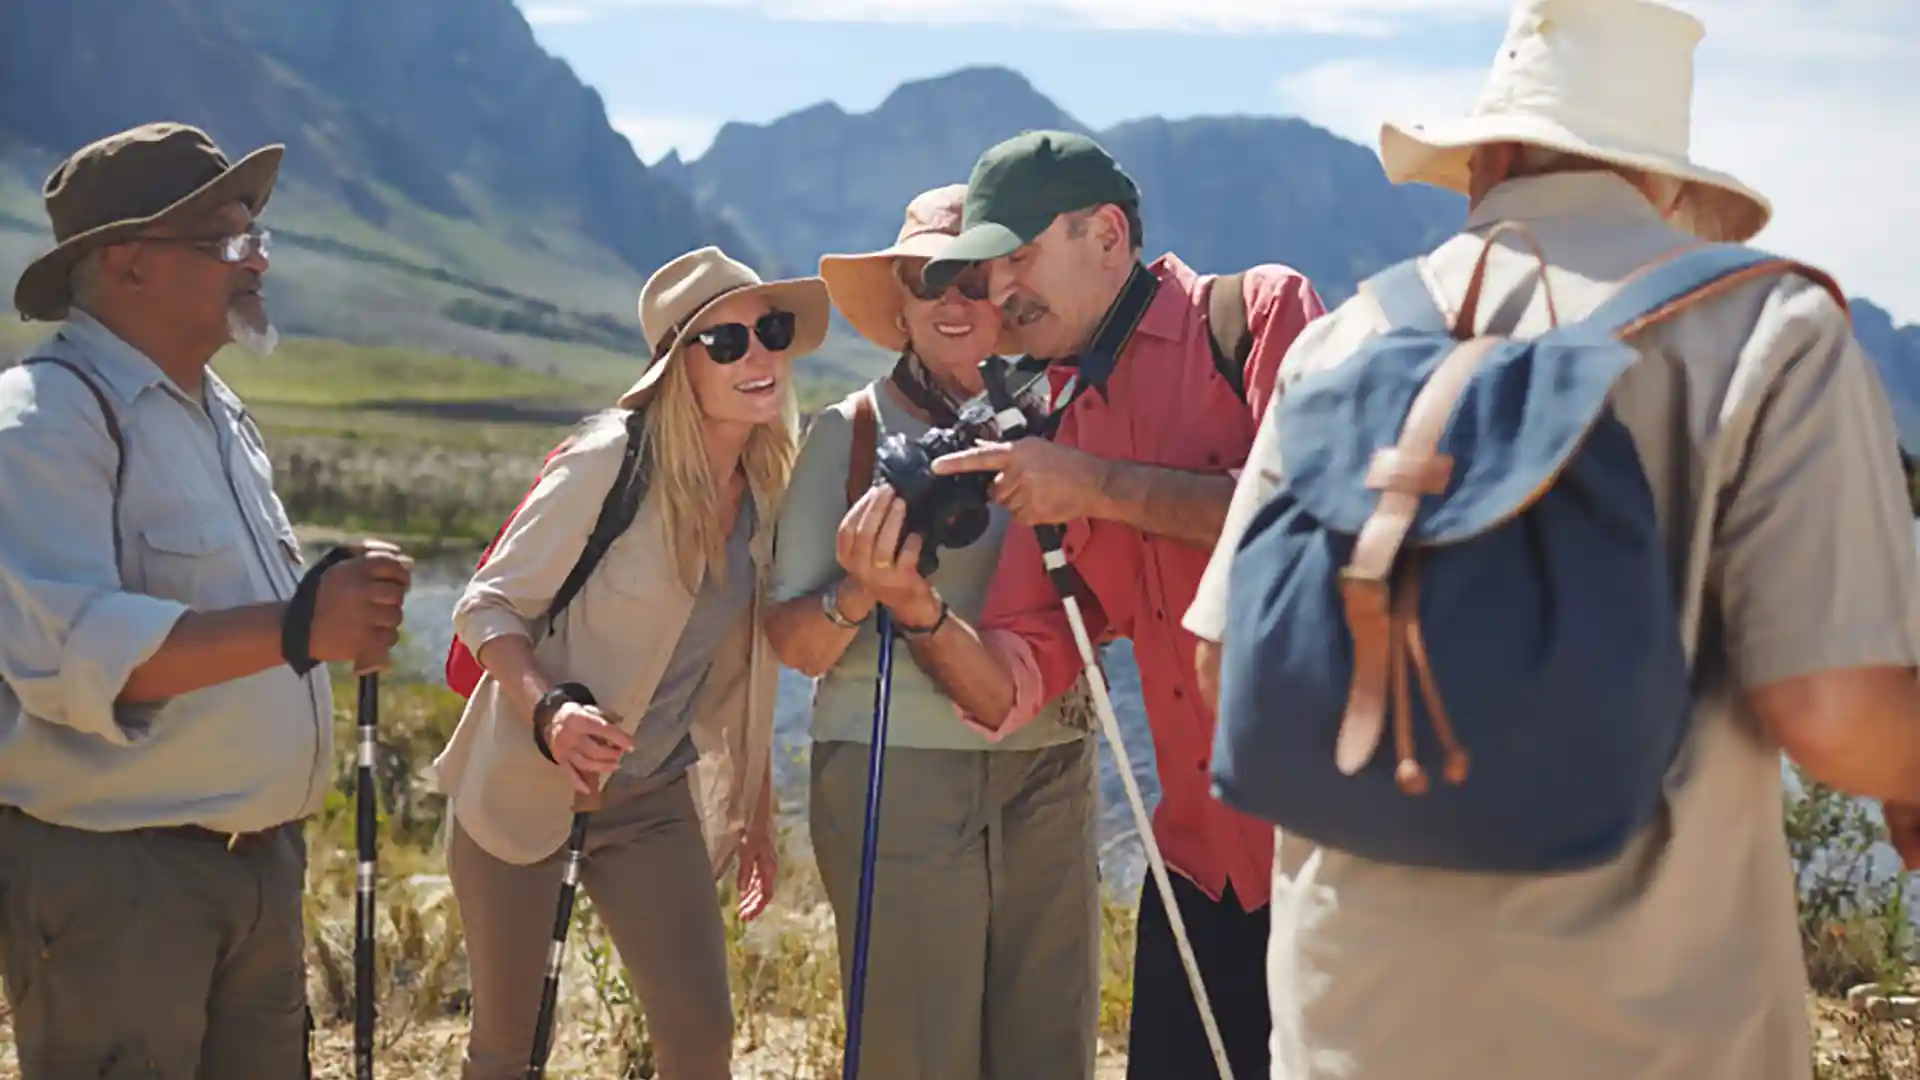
{"type": "Point", "coordinates": [126, 183]}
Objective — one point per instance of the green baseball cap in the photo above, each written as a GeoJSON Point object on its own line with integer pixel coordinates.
{"type": "Point", "coordinates": [1019, 186]}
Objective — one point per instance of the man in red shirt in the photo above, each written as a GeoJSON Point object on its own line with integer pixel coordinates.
{"type": "Point", "coordinates": [1150, 434]}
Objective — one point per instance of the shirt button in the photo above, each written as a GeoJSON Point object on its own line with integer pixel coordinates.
{"type": "Point", "coordinates": [1213, 459]}
{"type": "Point", "coordinates": [1178, 693]}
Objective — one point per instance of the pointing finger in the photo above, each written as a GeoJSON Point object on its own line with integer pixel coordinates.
{"type": "Point", "coordinates": [986, 457]}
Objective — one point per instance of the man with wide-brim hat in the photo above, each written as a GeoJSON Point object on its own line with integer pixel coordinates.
{"type": "Point", "coordinates": [165, 724]}
{"type": "Point", "coordinates": [1770, 451]}
{"type": "Point", "coordinates": [971, 973]}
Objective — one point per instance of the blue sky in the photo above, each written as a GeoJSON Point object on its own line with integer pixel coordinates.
{"type": "Point", "coordinates": [1815, 102]}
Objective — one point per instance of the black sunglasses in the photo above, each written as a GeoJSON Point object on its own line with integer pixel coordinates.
{"type": "Point", "coordinates": [728, 342]}
{"type": "Point", "coordinates": [972, 282]}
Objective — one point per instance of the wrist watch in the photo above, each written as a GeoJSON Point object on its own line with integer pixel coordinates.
{"type": "Point", "coordinates": [830, 603]}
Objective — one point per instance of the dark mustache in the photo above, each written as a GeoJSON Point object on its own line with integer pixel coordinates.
{"type": "Point", "coordinates": [1015, 308]}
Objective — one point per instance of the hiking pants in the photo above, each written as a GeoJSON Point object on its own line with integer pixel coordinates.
{"type": "Point", "coordinates": [153, 953]}
{"type": "Point", "coordinates": [647, 872]}
{"type": "Point", "coordinates": [984, 956]}
{"type": "Point", "coordinates": [1167, 1038]}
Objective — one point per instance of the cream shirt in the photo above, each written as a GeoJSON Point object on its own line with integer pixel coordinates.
{"type": "Point", "coordinates": [615, 637]}
{"type": "Point", "coordinates": [1769, 444]}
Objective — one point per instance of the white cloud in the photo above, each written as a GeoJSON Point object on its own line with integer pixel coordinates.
{"type": "Point", "coordinates": [653, 136]}
{"type": "Point", "coordinates": [1814, 108]}
{"type": "Point", "coordinates": [1353, 17]}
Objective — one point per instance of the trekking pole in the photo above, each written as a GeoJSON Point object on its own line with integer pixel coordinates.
{"type": "Point", "coordinates": [1052, 538]}
{"type": "Point", "coordinates": [583, 808]}
{"type": "Point", "coordinates": [1013, 425]}
{"type": "Point", "coordinates": [870, 843]}
{"type": "Point", "coordinates": [366, 824]}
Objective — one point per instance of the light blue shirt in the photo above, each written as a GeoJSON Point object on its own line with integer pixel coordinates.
{"type": "Point", "coordinates": [200, 529]}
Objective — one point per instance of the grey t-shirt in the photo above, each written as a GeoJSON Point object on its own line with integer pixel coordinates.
{"type": "Point", "coordinates": [663, 740]}
{"type": "Point", "coordinates": [804, 562]}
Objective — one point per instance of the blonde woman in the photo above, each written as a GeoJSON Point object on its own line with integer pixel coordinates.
{"type": "Point", "coordinates": [983, 955]}
{"type": "Point", "coordinates": [655, 684]}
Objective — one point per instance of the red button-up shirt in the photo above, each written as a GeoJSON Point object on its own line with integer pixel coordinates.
{"type": "Point", "coordinates": [1166, 405]}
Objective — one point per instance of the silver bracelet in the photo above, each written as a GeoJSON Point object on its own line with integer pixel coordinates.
{"type": "Point", "coordinates": [830, 603]}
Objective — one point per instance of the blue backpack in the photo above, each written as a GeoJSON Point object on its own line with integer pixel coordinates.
{"type": "Point", "coordinates": [1464, 550]}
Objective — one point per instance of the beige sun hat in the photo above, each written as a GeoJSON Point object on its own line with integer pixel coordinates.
{"type": "Point", "coordinates": [1605, 79]}
{"type": "Point", "coordinates": [864, 287]}
{"type": "Point", "coordinates": [678, 294]}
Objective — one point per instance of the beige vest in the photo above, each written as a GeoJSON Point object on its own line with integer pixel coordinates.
{"type": "Point", "coordinates": [616, 638]}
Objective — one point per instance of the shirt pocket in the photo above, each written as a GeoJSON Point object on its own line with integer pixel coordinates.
{"type": "Point", "coordinates": [192, 559]}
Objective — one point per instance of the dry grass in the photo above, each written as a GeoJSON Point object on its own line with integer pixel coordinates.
{"type": "Point", "coordinates": [784, 967]}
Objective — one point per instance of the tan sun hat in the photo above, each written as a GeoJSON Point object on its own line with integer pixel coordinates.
{"type": "Point", "coordinates": [864, 287]}
{"type": "Point", "coordinates": [126, 183]}
{"type": "Point", "coordinates": [1605, 79]}
{"type": "Point", "coordinates": [679, 293]}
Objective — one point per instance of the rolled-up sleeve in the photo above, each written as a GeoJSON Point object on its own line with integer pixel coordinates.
{"type": "Point", "coordinates": [70, 635]}
{"type": "Point", "coordinates": [542, 540]}
{"type": "Point", "coordinates": [1024, 625]}
{"type": "Point", "coordinates": [1814, 554]}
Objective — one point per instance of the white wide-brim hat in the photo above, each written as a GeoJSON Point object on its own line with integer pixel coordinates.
{"type": "Point", "coordinates": [1610, 80]}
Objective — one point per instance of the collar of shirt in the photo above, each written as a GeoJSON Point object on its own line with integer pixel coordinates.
{"type": "Point", "coordinates": [1558, 195]}
{"type": "Point", "coordinates": [1166, 318]}
{"type": "Point", "coordinates": [126, 369]}
{"type": "Point", "coordinates": [129, 372]}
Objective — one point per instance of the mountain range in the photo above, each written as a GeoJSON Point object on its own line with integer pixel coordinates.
{"type": "Point", "coordinates": [450, 185]}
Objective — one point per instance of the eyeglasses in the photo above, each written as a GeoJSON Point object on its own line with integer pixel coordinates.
{"type": "Point", "coordinates": [972, 282]}
{"type": "Point", "coordinates": [233, 249]}
{"type": "Point", "coordinates": [728, 342]}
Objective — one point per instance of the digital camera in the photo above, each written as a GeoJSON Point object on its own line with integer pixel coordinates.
{"type": "Point", "coordinates": [946, 511]}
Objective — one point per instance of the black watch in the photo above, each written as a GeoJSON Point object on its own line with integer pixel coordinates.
{"type": "Point", "coordinates": [549, 703]}
{"type": "Point", "coordinates": [924, 631]}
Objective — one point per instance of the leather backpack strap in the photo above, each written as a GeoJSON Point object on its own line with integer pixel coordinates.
{"type": "Point", "coordinates": [113, 432]}
{"type": "Point", "coordinates": [1227, 321]}
{"type": "Point", "coordinates": [866, 442]}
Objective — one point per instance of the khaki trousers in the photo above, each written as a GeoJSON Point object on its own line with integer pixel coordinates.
{"type": "Point", "coordinates": [647, 871]}
{"type": "Point", "coordinates": [983, 961]}
{"type": "Point", "coordinates": [144, 954]}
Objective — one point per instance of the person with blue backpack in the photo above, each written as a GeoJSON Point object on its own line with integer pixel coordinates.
{"type": "Point", "coordinates": [1552, 542]}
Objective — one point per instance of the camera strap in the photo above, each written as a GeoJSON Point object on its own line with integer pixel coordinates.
{"type": "Point", "coordinates": [911, 377]}
{"type": "Point", "coordinates": [1095, 364]}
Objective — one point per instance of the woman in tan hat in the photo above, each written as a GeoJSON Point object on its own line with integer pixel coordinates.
{"type": "Point", "coordinates": [653, 688]}
{"type": "Point", "coordinates": [984, 948]}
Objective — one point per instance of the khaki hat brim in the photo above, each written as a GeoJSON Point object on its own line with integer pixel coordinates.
{"type": "Point", "coordinates": [44, 291]}
{"type": "Point", "coordinates": [871, 299]}
{"type": "Point", "coordinates": [806, 297]}
{"type": "Point", "coordinates": [1715, 206]}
